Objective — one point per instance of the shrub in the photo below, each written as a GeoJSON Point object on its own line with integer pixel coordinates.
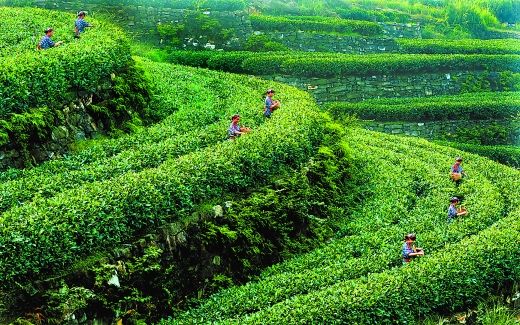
{"type": "Point", "coordinates": [335, 65]}
{"type": "Point", "coordinates": [507, 155]}
{"type": "Point", "coordinates": [262, 43]}
{"type": "Point", "coordinates": [464, 46]}
{"type": "Point", "coordinates": [472, 106]}
{"type": "Point", "coordinates": [314, 24]}
{"type": "Point", "coordinates": [408, 192]}
{"type": "Point", "coordinates": [77, 66]}
{"type": "Point", "coordinates": [99, 215]}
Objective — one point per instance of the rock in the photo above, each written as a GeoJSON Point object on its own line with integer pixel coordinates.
{"type": "Point", "coordinates": [60, 133]}
{"type": "Point", "coordinates": [219, 211]}
{"type": "Point", "coordinates": [80, 136]}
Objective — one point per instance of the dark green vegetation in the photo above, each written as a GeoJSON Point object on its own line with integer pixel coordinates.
{"type": "Point", "coordinates": [471, 106]}
{"type": "Point", "coordinates": [466, 46]}
{"type": "Point", "coordinates": [507, 155]}
{"type": "Point", "coordinates": [335, 65]}
{"type": "Point", "coordinates": [98, 65]}
{"type": "Point", "coordinates": [315, 24]}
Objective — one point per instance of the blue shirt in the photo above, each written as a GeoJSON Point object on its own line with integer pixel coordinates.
{"type": "Point", "coordinates": [233, 129]}
{"type": "Point", "coordinates": [46, 43]}
{"type": "Point", "coordinates": [268, 104]}
{"type": "Point", "coordinates": [81, 24]}
{"type": "Point", "coordinates": [457, 169]}
{"type": "Point", "coordinates": [452, 212]}
{"type": "Point", "coordinates": [406, 251]}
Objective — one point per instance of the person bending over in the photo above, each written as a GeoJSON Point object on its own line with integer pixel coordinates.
{"type": "Point", "coordinates": [80, 24]}
{"type": "Point", "coordinates": [457, 172]}
{"type": "Point", "coordinates": [235, 130]}
{"type": "Point", "coordinates": [409, 251]}
{"type": "Point", "coordinates": [46, 42]}
{"type": "Point", "coordinates": [453, 212]}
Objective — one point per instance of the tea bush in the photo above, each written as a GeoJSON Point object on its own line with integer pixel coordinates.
{"type": "Point", "coordinates": [77, 66]}
{"type": "Point", "coordinates": [461, 46]}
{"type": "Point", "coordinates": [313, 24]}
{"type": "Point", "coordinates": [336, 65]}
{"type": "Point", "coordinates": [507, 155]}
{"type": "Point", "coordinates": [471, 106]}
{"type": "Point", "coordinates": [409, 191]}
{"type": "Point", "coordinates": [98, 215]}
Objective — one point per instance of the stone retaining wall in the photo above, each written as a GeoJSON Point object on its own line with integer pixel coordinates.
{"type": "Point", "coordinates": [315, 42]}
{"type": "Point", "coordinates": [444, 129]}
{"type": "Point", "coordinates": [356, 88]}
{"type": "Point", "coordinates": [76, 125]}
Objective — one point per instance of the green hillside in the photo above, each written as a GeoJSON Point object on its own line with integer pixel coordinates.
{"type": "Point", "coordinates": [123, 199]}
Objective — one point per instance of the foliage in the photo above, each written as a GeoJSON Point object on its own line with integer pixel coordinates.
{"type": "Point", "coordinates": [334, 65]}
{"type": "Point", "coordinates": [488, 134]}
{"type": "Point", "coordinates": [471, 106]}
{"type": "Point", "coordinates": [355, 279]}
{"type": "Point", "coordinates": [218, 5]}
{"type": "Point", "coordinates": [77, 66]}
{"type": "Point", "coordinates": [297, 211]}
{"type": "Point", "coordinates": [262, 43]}
{"type": "Point", "coordinates": [507, 155]}
{"type": "Point", "coordinates": [195, 25]}
{"type": "Point", "coordinates": [313, 23]}
{"type": "Point", "coordinates": [464, 46]}
{"type": "Point", "coordinates": [100, 215]}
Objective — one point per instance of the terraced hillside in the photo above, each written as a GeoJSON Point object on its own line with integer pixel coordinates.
{"type": "Point", "coordinates": [359, 278]}
{"type": "Point", "coordinates": [156, 216]}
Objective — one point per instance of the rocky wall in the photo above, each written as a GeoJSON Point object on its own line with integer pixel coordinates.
{"type": "Point", "coordinates": [141, 21]}
{"type": "Point", "coordinates": [448, 130]}
{"type": "Point", "coordinates": [357, 88]}
{"type": "Point", "coordinates": [75, 125]}
{"type": "Point", "coordinates": [315, 42]}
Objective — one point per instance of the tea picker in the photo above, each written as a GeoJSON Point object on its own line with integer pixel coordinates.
{"type": "Point", "coordinates": [235, 130]}
{"type": "Point", "coordinates": [409, 250]}
{"type": "Point", "coordinates": [46, 42]}
{"type": "Point", "coordinates": [80, 24]}
{"type": "Point", "coordinates": [453, 211]}
{"type": "Point", "coordinates": [457, 172]}
{"type": "Point", "coordinates": [270, 104]}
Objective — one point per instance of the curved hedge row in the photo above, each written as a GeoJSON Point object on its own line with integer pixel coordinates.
{"type": "Point", "coordinates": [98, 215]}
{"type": "Point", "coordinates": [200, 120]}
{"type": "Point", "coordinates": [314, 24]}
{"type": "Point", "coordinates": [334, 65]}
{"type": "Point", "coordinates": [33, 79]}
{"type": "Point", "coordinates": [472, 106]}
{"type": "Point", "coordinates": [451, 278]}
{"type": "Point", "coordinates": [507, 155]}
{"type": "Point", "coordinates": [461, 46]}
{"type": "Point", "coordinates": [409, 193]}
